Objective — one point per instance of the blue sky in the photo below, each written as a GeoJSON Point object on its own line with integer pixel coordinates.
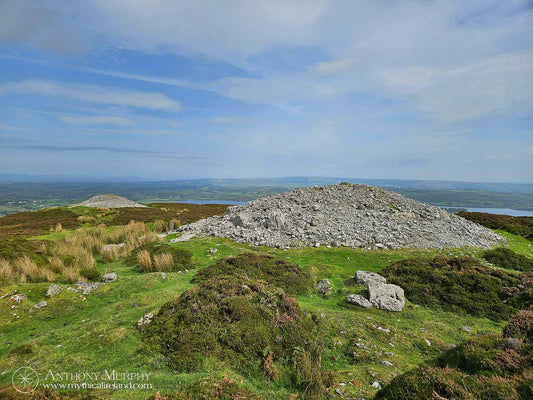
{"type": "Point", "coordinates": [218, 89]}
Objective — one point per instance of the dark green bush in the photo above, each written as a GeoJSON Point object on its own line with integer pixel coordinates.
{"type": "Point", "coordinates": [482, 367]}
{"type": "Point", "coordinates": [506, 258]}
{"type": "Point", "coordinates": [461, 285]}
{"type": "Point", "coordinates": [91, 274]}
{"type": "Point", "coordinates": [182, 258]}
{"type": "Point", "coordinates": [253, 326]}
{"type": "Point", "coordinates": [279, 273]}
{"type": "Point", "coordinates": [522, 226]}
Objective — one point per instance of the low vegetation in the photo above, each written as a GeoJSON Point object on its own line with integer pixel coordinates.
{"type": "Point", "coordinates": [488, 366]}
{"type": "Point", "coordinates": [522, 226]}
{"type": "Point", "coordinates": [461, 285]}
{"type": "Point", "coordinates": [279, 273]}
{"type": "Point", "coordinates": [506, 258]}
{"type": "Point", "coordinates": [252, 326]}
{"type": "Point", "coordinates": [160, 257]}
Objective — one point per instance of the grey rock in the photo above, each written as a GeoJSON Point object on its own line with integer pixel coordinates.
{"type": "Point", "coordinates": [146, 319]}
{"type": "Point", "coordinates": [326, 215]}
{"type": "Point", "coordinates": [513, 343]}
{"type": "Point", "coordinates": [466, 328]}
{"type": "Point", "coordinates": [53, 290]}
{"type": "Point", "coordinates": [324, 287]}
{"type": "Point", "coordinates": [213, 251]}
{"type": "Point", "coordinates": [358, 300]}
{"type": "Point", "coordinates": [388, 363]}
{"type": "Point", "coordinates": [163, 275]}
{"type": "Point", "coordinates": [376, 384]}
{"type": "Point", "coordinates": [366, 278]}
{"type": "Point", "coordinates": [110, 247]}
{"type": "Point", "coordinates": [386, 296]}
{"type": "Point", "coordinates": [41, 304]}
{"type": "Point", "coordinates": [18, 298]}
{"type": "Point", "coordinates": [87, 287]}
{"type": "Point", "coordinates": [110, 277]}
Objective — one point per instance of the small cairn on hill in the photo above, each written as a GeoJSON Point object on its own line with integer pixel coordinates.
{"type": "Point", "coordinates": [108, 201]}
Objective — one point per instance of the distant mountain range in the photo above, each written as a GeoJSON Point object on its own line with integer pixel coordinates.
{"type": "Point", "coordinates": [283, 182]}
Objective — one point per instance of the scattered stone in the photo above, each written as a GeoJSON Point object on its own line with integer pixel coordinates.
{"type": "Point", "coordinates": [41, 304]}
{"type": "Point", "coordinates": [108, 278]}
{"type": "Point", "coordinates": [376, 384]}
{"type": "Point", "coordinates": [387, 220]}
{"type": "Point", "coordinates": [513, 343]}
{"type": "Point", "coordinates": [53, 290]}
{"type": "Point", "coordinates": [87, 287]}
{"type": "Point", "coordinates": [146, 319]}
{"type": "Point", "coordinates": [324, 287]}
{"type": "Point", "coordinates": [163, 275]}
{"type": "Point", "coordinates": [386, 296]}
{"type": "Point", "coordinates": [358, 300]}
{"type": "Point", "coordinates": [386, 330]}
{"type": "Point", "coordinates": [388, 363]}
{"type": "Point", "coordinates": [466, 328]}
{"type": "Point", "coordinates": [18, 298]}
{"type": "Point", "coordinates": [366, 278]}
{"type": "Point", "coordinates": [427, 342]}
{"type": "Point", "coordinates": [112, 246]}
{"type": "Point", "coordinates": [213, 251]}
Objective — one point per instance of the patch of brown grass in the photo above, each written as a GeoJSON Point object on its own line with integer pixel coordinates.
{"type": "Point", "coordinates": [145, 261]}
{"type": "Point", "coordinates": [164, 262]}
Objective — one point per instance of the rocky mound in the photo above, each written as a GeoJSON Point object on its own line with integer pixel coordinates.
{"type": "Point", "coordinates": [108, 201]}
{"type": "Point", "coordinates": [343, 215]}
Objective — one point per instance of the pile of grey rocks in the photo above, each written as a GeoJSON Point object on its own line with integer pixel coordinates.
{"type": "Point", "coordinates": [108, 201]}
{"type": "Point", "coordinates": [352, 215]}
{"type": "Point", "coordinates": [381, 294]}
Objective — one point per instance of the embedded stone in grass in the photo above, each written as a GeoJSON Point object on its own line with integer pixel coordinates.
{"type": "Point", "coordinates": [386, 296]}
{"type": "Point", "coordinates": [110, 277]}
{"type": "Point", "coordinates": [53, 290]}
{"type": "Point", "coordinates": [358, 300]}
{"type": "Point", "coordinates": [18, 298]}
{"type": "Point", "coordinates": [324, 287]}
{"type": "Point", "coordinates": [41, 304]}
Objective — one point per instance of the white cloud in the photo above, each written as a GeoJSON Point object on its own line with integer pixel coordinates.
{"type": "Point", "coordinates": [92, 94]}
{"type": "Point", "coordinates": [81, 120]}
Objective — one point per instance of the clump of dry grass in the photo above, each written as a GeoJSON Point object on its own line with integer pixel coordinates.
{"type": "Point", "coordinates": [145, 261]}
{"type": "Point", "coordinates": [164, 262]}
{"type": "Point", "coordinates": [57, 228]}
{"type": "Point", "coordinates": [27, 270]}
{"type": "Point", "coordinates": [6, 271]}
{"type": "Point", "coordinates": [86, 219]}
{"type": "Point", "coordinates": [111, 254]}
{"type": "Point", "coordinates": [160, 226]}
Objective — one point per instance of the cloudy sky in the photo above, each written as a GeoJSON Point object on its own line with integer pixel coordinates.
{"type": "Point", "coordinates": [207, 88]}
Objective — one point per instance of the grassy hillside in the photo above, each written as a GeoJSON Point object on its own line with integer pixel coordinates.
{"type": "Point", "coordinates": [80, 334]}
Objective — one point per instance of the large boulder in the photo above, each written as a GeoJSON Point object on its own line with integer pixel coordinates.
{"type": "Point", "coordinates": [366, 278]}
{"type": "Point", "coordinates": [386, 296]}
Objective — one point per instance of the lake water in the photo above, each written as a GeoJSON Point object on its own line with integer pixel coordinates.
{"type": "Point", "coordinates": [503, 211]}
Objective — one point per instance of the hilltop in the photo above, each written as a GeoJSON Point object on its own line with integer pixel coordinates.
{"type": "Point", "coordinates": [109, 201]}
{"type": "Point", "coordinates": [348, 215]}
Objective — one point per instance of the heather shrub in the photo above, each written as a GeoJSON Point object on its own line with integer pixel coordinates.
{"type": "Point", "coordinates": [506, 258]}
{"type": "Point", "coordinates": [280, 273]}
{"type": "Point", "coordinates": [461, 285]}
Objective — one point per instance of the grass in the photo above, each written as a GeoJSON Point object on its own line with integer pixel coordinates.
{"type": "Point", "coordinates": [73, 332]}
